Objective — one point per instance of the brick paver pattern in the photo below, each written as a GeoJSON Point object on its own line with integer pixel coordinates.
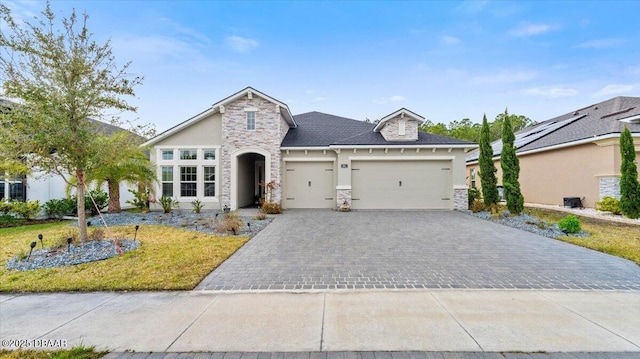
{"type": "Point", "coordinates": [322, 249]}
{"type": "Point", "coordinates": [371, 355]}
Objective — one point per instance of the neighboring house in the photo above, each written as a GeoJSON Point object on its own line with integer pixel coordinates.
{"type": "Point", "coordinates": [573, 155]}
{"type": "Point", "coordinates": [225, 155]}
{"type": "Point", "coordinates": [42, 186]}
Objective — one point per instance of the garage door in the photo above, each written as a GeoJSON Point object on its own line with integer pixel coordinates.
{"type": "Point", "coordinates": [401, 184]}
{"type": "Point", "coordinates": [309, 185]}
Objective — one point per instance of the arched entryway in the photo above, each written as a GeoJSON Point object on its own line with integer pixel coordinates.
{"type": "Point", "coordinates": [251, 168]}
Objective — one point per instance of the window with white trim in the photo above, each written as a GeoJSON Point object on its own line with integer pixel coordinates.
{"type": "Point", "coordinates": [188, 154]}
{"type": "Point", "coordinates": [167, 155]}
{"type": "Point", "coordinates": [251, 121]}
{"type": "Point", "coordinates": [209, 154]}
{"type": "Point", "coordinates": [167, 181]}
{"type": "Point", "coordinates": [473, 178]}
{"type": "Point", "coordinates": [188, 181]}
{"type": "Point", "coordinates": [209, 181]}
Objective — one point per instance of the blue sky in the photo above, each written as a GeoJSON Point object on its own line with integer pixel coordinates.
{"type": "Point", "coordinates": [442, 59]}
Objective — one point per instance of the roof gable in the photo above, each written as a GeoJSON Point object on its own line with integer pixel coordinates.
{"type": "Point", "coordinates": [403, 112]}
{"type": "Point", "coordinates": [216, 107]}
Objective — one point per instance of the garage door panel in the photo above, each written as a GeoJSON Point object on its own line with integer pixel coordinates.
{"type": "Point", "coordinates": [309, 185]}
{"type": "Point", "coordinates": [401, 184]}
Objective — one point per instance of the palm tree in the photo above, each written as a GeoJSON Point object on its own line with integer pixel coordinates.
{"type": "Point", "coordinates": [123, 160]}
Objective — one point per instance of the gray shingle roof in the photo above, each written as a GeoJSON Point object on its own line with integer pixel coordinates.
{"type": "Point", "coordinates": [317, 129]}
{"type": "Point", "coordinates": [599, 119]}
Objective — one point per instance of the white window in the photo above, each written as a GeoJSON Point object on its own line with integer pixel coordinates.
{"type": "Point", "coordinates": [473, 178]}
{"type": "Point", "coordinates": [209, 155]}
{"type": "Point", "coordinates": [209, 181]}
{"type": "Point", "coordinates": [251, 121]}
{"type": "Point", "coordinates": [402, 127]}
{"type": "Point", "coordinates": [188, 181]}
{"type": "Point", "coordinates": [167, 181]}
{"type": "Point", "coordinates": [188, 154]}
{"type": "Point", "coordinates": [167, 155]}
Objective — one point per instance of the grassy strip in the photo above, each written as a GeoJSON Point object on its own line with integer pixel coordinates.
{"type": "Point", "coordinates": [618, 239]}
{"type": "Point", "coordinates": [74, 353]}
{"type": "Point", "coordinates": [168, 259]}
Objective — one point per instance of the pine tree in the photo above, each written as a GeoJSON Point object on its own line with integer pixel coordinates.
{"type": "Point", "coordinates": [629, 187]}
{"type": "Point", "coordinates": [487, 166]}
{"type": "Point", "coordinates": [510, 169]}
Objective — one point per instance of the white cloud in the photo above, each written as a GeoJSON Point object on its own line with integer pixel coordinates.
{"type": "Point", "coordinates": [526, 30]}
{"type": "Point", "coordinates": [189, 32]}
{"type": "Point", "coordinates": [505, 77]}
{"type": "Point", "coordinates": [450, 40]}
{"type": "Point", "coordinates": [551, 92]}
{"type": "Point", "coordinates": [601, 43]}
{"type": "Point", "coordinates": [397, 98]}
{"type": "Point", "coordinates": [613, 89]}
{"type": "Point", "coordinates": [319, 98]}
{"type": "Point", "coordinates": [240, 44]}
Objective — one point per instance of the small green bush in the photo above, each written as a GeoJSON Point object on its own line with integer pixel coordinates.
{"type": "Point", "coordinates": [197, 206]}
{"type": "Point", "coordinates": [100, 197]}
{"type": "Point", "coordinates": [609, 204]}
{"type": "Point", "coordinates": [570, 224]}
{"type": "Point", "coordinates": [472, 195]}
{"type": "Point", "coordinates": [168, 204]}
{"type": "Point", "coordinates": [58, 208]}
{"type": "Point", "coordinates": [5, 207]}
{"type": "Point", "coordinates": [271, 208]}
{"type": "Point", "coordinates": [140, 199]}
{"type": "Point", "coordinates": [27, 210]}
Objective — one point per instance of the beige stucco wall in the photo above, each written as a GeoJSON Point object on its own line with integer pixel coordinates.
{"type": "Point", "coordinates": [206, 132]}
{"type": "Point", "coordinates": [547, 177]}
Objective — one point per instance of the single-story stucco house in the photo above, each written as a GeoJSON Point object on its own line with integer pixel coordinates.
{"type": "Point", "coordinates": [225, 155]}
{"type": "Point", "coordinates": [573, 155]}
{"type": "Point", "coordinates": [42, 186]}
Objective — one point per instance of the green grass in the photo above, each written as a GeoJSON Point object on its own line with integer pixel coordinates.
{"type": "Point", "coordinates": [74, 353]}
{"type": "Point", "coordinates": [168, 259]}
{"type": "Point", "coordinates": [618, 239]}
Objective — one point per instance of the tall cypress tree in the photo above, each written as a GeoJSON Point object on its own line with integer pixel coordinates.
{"type": "Point", "coordinates": [487, 166]}
{"type": "Point", "coordinates": [629, 187]}
{"type": "Point", "coordinates": [510, 169]}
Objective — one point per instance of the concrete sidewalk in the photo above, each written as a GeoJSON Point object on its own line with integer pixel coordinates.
{"type": "Point", "coordinates": [403, 320]}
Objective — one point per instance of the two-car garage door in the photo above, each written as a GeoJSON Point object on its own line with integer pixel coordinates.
{"type": "Point", "coordinates": [401, 184]}
{"type": "Point", "coordinates": [375, 184]}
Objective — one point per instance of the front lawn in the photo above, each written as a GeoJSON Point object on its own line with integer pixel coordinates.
{"type": "Point", "coordinates": [74, 353]}
{"type": "Point", "coordinates": [618, 239]}
{"type": "Point", "coordinates": [168, 259]}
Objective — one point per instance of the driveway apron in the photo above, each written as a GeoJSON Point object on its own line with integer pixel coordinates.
{"type": "Point", "coordinates": [322, 249]}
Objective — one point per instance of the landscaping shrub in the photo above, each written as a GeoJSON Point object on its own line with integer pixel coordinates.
{"type": "Point", "coordinates": [570, 224]}
{"type": "Point", "coordinates": [140, 199]}
{"type": "Point", "coordinates": [168, 204]}
{"type": "Point", "coordinates": [58, 208]}
{"type": "Point", "coordinates": [197, 206]}
{"type": "Point", "coordinates": [609, 204]}
{"type": "Point", "coordinates": [472, 195]}
{"type": "Point", "coordinates": [260, 216]}
{"type": "Point", "coordinates": [231, 223]}
{"type": "Point", "coordinates": [5, 207]}
{"type": "Point", "coordinates": [96, 235]}
{"type": "Point", "coordinates": [271, 208]}
{"type": "Point", "coordinates": [27, 210]}
{"type": "Point", "coordinates": [477, 206]}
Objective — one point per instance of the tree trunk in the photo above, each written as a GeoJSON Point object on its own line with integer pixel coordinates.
{"type": "Point", "coordinates": [82, 218]}
{"type": "Point", "coordinates": [114, 196]}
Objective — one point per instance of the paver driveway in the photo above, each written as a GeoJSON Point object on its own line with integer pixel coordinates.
{"type": "Point", "coordinates": [321, 249]}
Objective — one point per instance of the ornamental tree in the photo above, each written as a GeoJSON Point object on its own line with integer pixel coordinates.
{"type": "Point", "coordinates": [629, 187]}
{"type": "Point", "coordinates": [61, 78]}
{"type": "Point", "coordinates": [510, 169]}
{"type": "Point", "coordinates": [488, 169]}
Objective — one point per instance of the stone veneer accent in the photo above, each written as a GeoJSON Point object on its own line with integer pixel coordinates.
{"type": "Point", "coordinates": [460, 198]}
{"type": "Point", "coordinates": [390, 131]}
{"type": "Point", "coordinates": [342, 196]}
{"type": "Point", "coordinates": [609, 187]}
{"type": "Point", "coordinates": [267, 136]}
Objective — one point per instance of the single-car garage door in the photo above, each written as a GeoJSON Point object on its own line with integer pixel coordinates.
{"type": "Point", "coordinates": [401, 184]}
{"type": "Point", "coordinates": [309, 185]}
